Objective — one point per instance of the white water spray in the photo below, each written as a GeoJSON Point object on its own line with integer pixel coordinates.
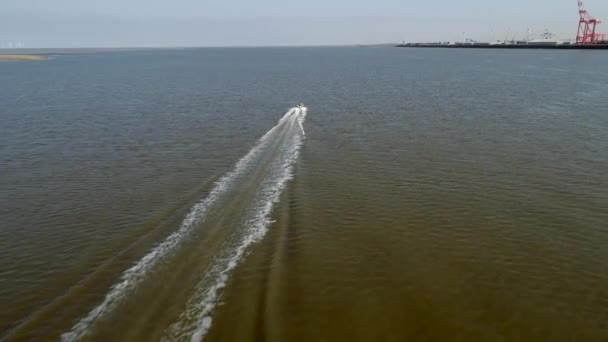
{"type": "Point", "coordinates": [301, 118]}
{"type": "Point", "coordinates": [132, 277]}
{"type": "Point", "coordinates": [196, 321]}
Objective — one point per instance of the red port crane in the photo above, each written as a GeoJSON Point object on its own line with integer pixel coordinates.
{"type": "Point", "coordinates": [587, 27]}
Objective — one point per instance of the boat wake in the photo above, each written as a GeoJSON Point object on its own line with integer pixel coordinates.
{"type": "Point", "coordinates": [195, 322]}
{"type": "Point", "coordinates": [284, 140]}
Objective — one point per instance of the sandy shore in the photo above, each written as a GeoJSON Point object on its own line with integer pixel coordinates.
{"type": "Point", "coordinates": [22, 58]}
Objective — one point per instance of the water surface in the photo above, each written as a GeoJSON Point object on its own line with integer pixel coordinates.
{"type": "Point", "coordinates": [431, 195]}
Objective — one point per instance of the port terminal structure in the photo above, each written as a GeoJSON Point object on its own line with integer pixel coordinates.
{"type": "Point", "coordinates": [587, 38]}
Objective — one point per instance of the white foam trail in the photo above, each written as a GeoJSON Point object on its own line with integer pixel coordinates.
{"type": "Point", "coordinates": [301, 118]}
{"type": "Point", "coordinates": [134, 275]}
{"type": "Point", "coordinates": [196, 321]}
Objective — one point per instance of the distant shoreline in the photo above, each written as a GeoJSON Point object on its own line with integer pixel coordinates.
{"type": "Point", "coordinates": [508, 46]}
{"type": "Point", "coordinates": [22, 58]}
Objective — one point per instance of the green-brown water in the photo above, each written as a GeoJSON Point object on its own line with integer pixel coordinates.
{"type": "Point", "coordinates": [428, 195]}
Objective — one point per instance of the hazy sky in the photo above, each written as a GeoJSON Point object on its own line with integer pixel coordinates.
{"type": "Point", "coordinates": [119, 23]}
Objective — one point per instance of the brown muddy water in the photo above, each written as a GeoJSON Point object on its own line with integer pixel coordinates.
{"type": "Point", "coordinates": [422, 195]}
